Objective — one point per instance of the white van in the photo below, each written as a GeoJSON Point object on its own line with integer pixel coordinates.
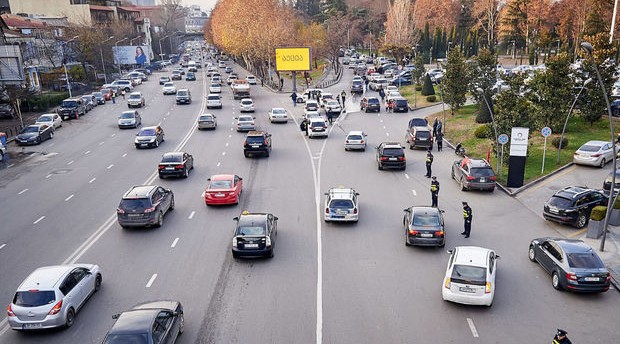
{"type": "Point", "coordinates": [191, 66]}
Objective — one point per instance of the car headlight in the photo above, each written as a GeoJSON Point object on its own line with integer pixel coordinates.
{"type": "Point", "coordinates": [152, 139]}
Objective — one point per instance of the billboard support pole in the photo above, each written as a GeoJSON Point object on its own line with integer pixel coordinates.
{"type": "Point", "coordinates": [294, 81]}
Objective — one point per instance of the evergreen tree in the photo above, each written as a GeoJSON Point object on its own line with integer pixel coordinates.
{"type": "Point", "coordinates": [482, 74]}
{"type": "Point", "coordinates": [511, 108]}
{"type": "Point", "coordinates": [453, 87]}
{"type": "Point", "coordinates": [419, 70]}
{"type": "Point", "coordinates": [428, 89]}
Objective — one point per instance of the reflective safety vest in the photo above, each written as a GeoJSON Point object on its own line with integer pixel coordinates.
{"type": "Point", "coordinates": [429, 159]}
{"type": "Point", "coordinates": [434, 186]}
{"type": "Point", "coordinates": [467, 212]}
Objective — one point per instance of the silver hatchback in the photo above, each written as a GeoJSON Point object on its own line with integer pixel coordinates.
{"type": "Point", "coordinates": [52, 295]}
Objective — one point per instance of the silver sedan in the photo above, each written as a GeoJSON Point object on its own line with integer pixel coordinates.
{"type": "Point", "coordinates": [594, 153]}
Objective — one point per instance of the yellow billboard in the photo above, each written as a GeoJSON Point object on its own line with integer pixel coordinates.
{"type": "Point", "coordinates": [293, 59]}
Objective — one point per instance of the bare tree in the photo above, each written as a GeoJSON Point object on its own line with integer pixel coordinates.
{"type": "Point", "coordinates": [399, 25]}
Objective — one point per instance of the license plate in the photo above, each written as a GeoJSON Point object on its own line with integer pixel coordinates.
{"type": "Point", "coordinates": [169, 168]}
{"type": "Point", "coordinates": [482, 180]}
{"type": "Point", "coordinates": [134, 215]}
{"type": "Point", "coordinates": [219, 195]}
{"type": "Point", "coordinates": [34, 325]}
{"type": "Point", "coordinates": [144, 144]}
{"type": "Point", "coordinates": [251, 245]}
{"type": "Point", "coordinates": [467, 290]}
{"type": "Point", "coordinates": [255, 146]}
{"type": "Point", "coordinates": [392, 159]}
{"type": "Point", "coordinates": [426, 235]}
{"type": "Point", "coordinates": [592, 279]}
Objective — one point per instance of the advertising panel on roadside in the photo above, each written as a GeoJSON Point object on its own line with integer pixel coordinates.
{"type": "Point", "coordinates": [293, 59]}
{"type": "Point", "coordinates": [131, 54]}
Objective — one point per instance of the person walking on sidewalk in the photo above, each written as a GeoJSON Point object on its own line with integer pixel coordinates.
{"type": "Point", "coordinates": [435, 124]}
{"type": "Point", "coordinates": [467, 217]}
{"type": "Point", "coordinates": [343, 95]}
{"type": "Point", "coordinates": [294, 97]}
{"type": "Point", "coordinates": [434, 192]}
{"type": "Point", "coordinates": [439, 139]}
{"type": "Point", "coordinates": [429, 163]}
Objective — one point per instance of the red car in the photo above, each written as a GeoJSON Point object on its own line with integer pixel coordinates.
{"type": "Point", "coordinates": [107, 93]}
{"type": "Point", "coordinates": [223, 189]}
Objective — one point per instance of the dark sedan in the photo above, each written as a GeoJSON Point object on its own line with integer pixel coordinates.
{"type": "Point", "coordinates": [176, 164]}
{"type": "Point", "coordinates": [34, 134]}
{"type": "Point", "coordinates": [255, 235]}
{"type": "Point", "coordinates": [573, 265]}
{"type": "Point", "coordinates": [424, 226]}
{"type": "Point", "coordinates": [151, 322]}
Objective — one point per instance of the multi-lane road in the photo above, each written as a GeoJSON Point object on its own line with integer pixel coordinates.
{"type": "Point", "coordinates": [328, 283]}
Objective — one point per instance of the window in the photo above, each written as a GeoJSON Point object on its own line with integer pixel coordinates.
{"type": "Point", "coordinates": [34, 298]}
{"type": "Point", "coordinates": [78, 274]}
{"type": "Point", "coordinates": [68, 284]}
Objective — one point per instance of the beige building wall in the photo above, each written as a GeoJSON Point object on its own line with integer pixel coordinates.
{"type": "Point", "coordinates": [79, 14]}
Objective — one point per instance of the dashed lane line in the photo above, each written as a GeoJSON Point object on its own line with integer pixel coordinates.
{"type": "Point", "coordinates": [150, 283]}
{"type": "Point", "coordinates": [109, 167]}
{"type": "Point", "coordinates": [70, 197]}
{"type": "Point", "coordinates": [92, 180]}
{"type": "Point", "coordinates": [472, 327]}
{"type": "Point", "coordinates": [70, 162]}
{"type": "Point", "coordinates": [191, 215]}
{"type": "Point", "coordinates": [39, 220]}
{"type": "Point", "coordinates": [21, 192]}
{"type": "Point", "coordinates": [174, 243]}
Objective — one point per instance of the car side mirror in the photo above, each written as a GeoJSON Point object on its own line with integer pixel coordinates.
{"type": "Point", "coordinates": [115, 316]}
{"type": "Point", "coordinates": [497, 256]}
{"type": "Point", "coordinates": [442, 211]}
{"type": "Point", "coordinates": [275, 218]}
{"type": "Point", "coordinates": [407, 210]}
{"type": "Point", "coordinates": [449, 251]}
{"type": "Point", "coordinates": [236, 218]}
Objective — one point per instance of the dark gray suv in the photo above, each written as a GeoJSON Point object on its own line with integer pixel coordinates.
{"type": "Point", "coordinates": [144, 205]}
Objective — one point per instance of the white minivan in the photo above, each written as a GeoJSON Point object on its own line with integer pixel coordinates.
{"type": "Point", "coordinates": [470, 276]}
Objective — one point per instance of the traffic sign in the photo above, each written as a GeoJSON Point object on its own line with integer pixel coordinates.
{"type": "Point", "coordinates": [502, 139]}
{"type": "Point", "coordinates": [546, 131]}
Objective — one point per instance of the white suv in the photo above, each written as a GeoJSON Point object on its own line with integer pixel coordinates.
{"type": "Point", "coordinates": [470, 276]}
{"type": "Point", "coordinates": [214, 101]}
{"type": "Point", "coordinates": [341, 204]}
{"type": "Point", "coordinates": [317, 127]}
{"type": "Point", "coordinates": [135, 99]}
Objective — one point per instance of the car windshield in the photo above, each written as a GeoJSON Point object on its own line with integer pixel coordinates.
{"type": "Point", "coordinates": [87, 98]}
{"type": "Point", "coordinates": [255, 139]}
{"type": "Point", "coordinates": [34, 298]}
{"type": "Point", "coordinates": [135, 204]}
{"type": "Point", "coordinates": [246, 102]}
{"type": "Point", "coordinates": [357, 83]}
{"type": "Point", "coordinates": [355, 137]}
{"type": "Point", "coordinates": [126, 115]}
{"type": "Point", "coordinates": [468, 274]}
{"type": "Point", "coordinates": [585, 260]}
{"type": "Point", "coordinates": [245, 119]}
{"type": "Point", "coordinates": [98, 94]}
{"type": "Point", "coordinates": [426, 220]}
{"type": "Point", "coordinates": [590, 148]}
{"type": "Point", "coordinates": [220, 184]}
{"type": "Point", "coordinates": [251, 230]}
{"type": "Point", "coordinates": [168, 84]}
{"type": "Point", "coordinates": [418, 122]}
{"type": "Point", "coordinates": [30, 129]}
{"type": "Point", "coordinates": [147, 132]}
{"type": "Point", "coordinates": [560, 202]}
{"type": "Point", "coordinates": [341, 204]}
{"type": "Point", "coordinates": [215, 85]}
{"type": "Point", "coordinates": [401, 102]}
{"type": "Point", "coordinates": [213, 98]}
{"type": "Point", "coordinates": [373, 101]}
{"type": "Point", "coordinates": [181, 93]}
{"type": "Point", "coordinates": [332, 103]}
{"type": "Point", "coordinates": [278, 111]}
{"type": "Point", "coordinates": [172, 158]}
{"type": "Point", "coordinates": [392, 151]}
{"type": "Point", "coordinates": [163, 78]}
{"type": "Point", "coordinates": [45, 119]}
{"type": "Point", "coordinates": [130, 338]}
{"type": "Point", "coordinates": [69, 103]}
{"type": "Point", "coordinates": [134, 96]}
{"type": "Point", "coordinates": [481, 172]}
{"type": "Point", "coordinates": [206, 118]}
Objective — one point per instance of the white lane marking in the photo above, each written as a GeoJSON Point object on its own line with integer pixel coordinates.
{"type": "Point", "coordinates": [70, 197]}
{"type": "Point", "coordinates": [109, 167]}
{"type": "Point", "coordinates": [406, 176]}
{"type": "Point", "coordinates": [387, 134]}
{"type": "Point", "coordinates": [414, 193]}
{"type": "Point", "coordinates": [101, 143]}
{"type": "Point", "coordinates": [113, 135]}
{"type": "Point", "coordinates": [165, 118]}
{"type": "Point", "coordinates": [223, 153]}
{"type": "Point", "coordinates": [191, 215]}
{"type": "Point", "coordinates": [472, 327]}
{"type": "Point", "coordinates": [21, 192]}
{"type": "Point", "coordinates": [70, 162]}
{"type": "Point", "coordinates": [150, 283]}
{"type": "Point", "coordinates": [229, 135]}
{"type": "Point", "coordinates": [218, 164]}
{"type": "Point", "coordinates": [384, 127]}
{"type": "Point", "coordinates": [174, 243]}
{"type": "Point", "coordinates": [231, 129]}
{"type": "Point", "coordinates": [11, 165]}
{"type": "Point", "coordinates": [2, 246]}
{"type": "Point", "coordinates": [226, 144]}
{"type": "Point", "coordinates": [48, 176]}
{"type": "Point", "coordinates": [51, 145]}
{"type": "Point", "coordinates": [124, 155]}
{"type": "Point", "coordinates": [39, 220]}
{"type": "Point", "coordinates": [92, 180]}
{"type": "Point", "coordinates": [380, 121]}
{"type": "Point", "coordinates": [87, 152]}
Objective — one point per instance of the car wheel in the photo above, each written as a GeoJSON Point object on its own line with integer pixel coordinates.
{"type": "Point", "coordinates": [531, 254]}
{"type": "Point", "coordinates": [98, 282]}
{"type": "Point", "coordinates": [181, 324]}
{"type": "Point", "coordinates": [555, 281]}
{"type": "Point", "coordinates": [246, 155]}
{"type": "Point", "coordinates": [171, 204]}
{"type": "Point", "coordinates": [38, 140]}
{"type": "Point", "coordinates": [411, 147]}
{"type": "Point", "coordinates": [51, 135]}
{"type": "Point", "coordinates": [452, 174]}
{"type": "Point", "coordinates": [603, 162]}
{"type": "Point", "coordinates": [70, 319]}
{"type": "Point", "coordinates": [271, 253]}
{"type": "Point", "coordinates": [581, 220]}
{"type": "Point", "coordinates": [267, 154]}
{"type": "Point", "coordinates": [235, 255]}
{"type": "Point", "coordinates": [160, 220]}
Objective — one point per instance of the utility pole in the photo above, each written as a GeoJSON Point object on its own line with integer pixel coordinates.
{"type": "Point", "coordinates": [105, 77]}
{"type": "Point", "coordinates": [613, 22]}
{"type": "Point", "coordinates": [64, 64]}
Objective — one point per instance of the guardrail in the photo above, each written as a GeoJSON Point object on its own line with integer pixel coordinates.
{"type": "Point", "coordinates": [332, 81]}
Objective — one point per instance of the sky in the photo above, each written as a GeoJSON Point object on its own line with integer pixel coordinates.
{"type": "Point", "coordinates": [205, 5]}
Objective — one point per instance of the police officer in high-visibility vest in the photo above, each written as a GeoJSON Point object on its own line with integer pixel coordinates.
{"type": "Point", "coordinates": [467, 216]}
{"type": "Point", "coordinates": [434, 192]}
{"type": "Point", "coordinates": [429, 162]}
{"type": "Point", "coordinates": [560, 338]}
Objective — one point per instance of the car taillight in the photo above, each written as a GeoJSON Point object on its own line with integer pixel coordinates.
{"type": "Point", "coordinates": [446, 283]}
{"type": "Point", "coordinates": [354, 210]}
{"type": "Point", "coordinates": [362, 141]}
{"type": "Point", "coordinates": [231, 193]}
{"type": "Point", "coordinates": [470, 178]}
{"type": "Point", "coordinates": [9, 311]}
{"type": "Point", "coordinates": [401, 158]}
{"type": "Point", "coordinates": [347, 141]}
{"type": "Point", "coordinates": [413, 232]}
{"type": "Point", "coordinates": [596, 155]}
{"type": "Point", "coordinates": [148, 210]}
{"type": "Point", "coordinates": [161, 167]}
{"type": "Point", "coordinates": [493, 178]}
{"type": "Point", "coordinates": [265, 142]}
{"type": "Point", "coordinates": [487, 288]}
{"type": "Point", "coordinates": [326, 210]}
{"type": "Point", "coordinates": [384, 158]}
{"type": "Point", "coordinates": [245, 142]}
{"type": "Point", "coordinates": [120, 211]}
{"type": "Point", "coordinates": [179, 166]}
{"type": "Point", "coordinates": [56, 308]}
{"type": "Point", "coordinates": [571, 276]}
{"type": "Point", "coordinates": [439, 233]}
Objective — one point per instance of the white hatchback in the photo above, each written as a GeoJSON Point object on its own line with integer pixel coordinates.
{"type": "Point", "coordinates": [215, 88]}
{"type": "Point", "coordinates": [251, 79]}
{"type": "Point", "coordinates": [470, 276]}
{"type": "Point", "coordinates": [355, 140]}
{"type": "Point", "coordinates": [246, 105]}
{"type": "Point", "coordinates": [278, 115]}
{"type": "Point", "coordinates": [214, 101]}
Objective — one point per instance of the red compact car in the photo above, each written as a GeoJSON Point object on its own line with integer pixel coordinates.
{"type": "Point", "coordinates": [107, 93]}
{"type": "Point", "coordinates": [223, 189]}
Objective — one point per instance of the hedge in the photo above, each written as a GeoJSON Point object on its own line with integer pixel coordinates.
{"type": "Point", "coordinates": [598, 213]}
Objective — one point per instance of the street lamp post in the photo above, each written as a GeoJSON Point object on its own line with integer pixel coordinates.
{"type": "Point", "coordinates": [131, 40]}
{"type": "Point", "coordinates": [117, 61]}
{"type": "Point", "coordinates": [568, 116]}
{"type": "Point", "coordinates": [494, 125]}
{"type": "Point", "coordinates": [105, 77]}
{"type": "Point", "coordinates": [610, 202]}
{"type": "Point", "coordinates": [64, 64]}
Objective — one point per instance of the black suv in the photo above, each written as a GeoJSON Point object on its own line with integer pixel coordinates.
{"type": "Point", "coordinates": [357, 86]}
{"type": "Point", "coordinates": [370, 104]}
{"type": "Point", "coordinates": [572, 205]}
{"type": "Point", "coordinates": [144, 205]}
{"type": "Point", "coordinates": [391, 155]}
{"type": "Point", "coordinates": [400, 105]}
{"type": "Point", "coordinates": [255, 235]}
{"type": "Point", "coordinates": [72, 108]}
{"type": "Point", "coordinates": [257, 142]}
{"type": "Point", "coordinates": [473, 174]}
{"type": "Point", "coordinates": [184, 96]}
{"type": "Point", "coordinates": [419, 137]}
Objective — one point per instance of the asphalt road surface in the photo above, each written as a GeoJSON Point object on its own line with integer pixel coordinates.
{"type": "Point", "coordinates": [328, 283]}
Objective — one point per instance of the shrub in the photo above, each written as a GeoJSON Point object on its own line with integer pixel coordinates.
{"type": "Point", "coordinates": [484, 116]}
{"type": "Point", "coordinates": [598, 213]}
{"type": "Point", "coordinates": [617, 204]}
{"type": "Point", "coordinates": [428, 89]}
{"type": "Point", "coordinates": [556, 142]}
{"type": "Point", "coordinates": [482, 132]}
{"type": "Point", "coordinates": [418, 88]}
{"type": "Point", "coordinates": [431, 99]}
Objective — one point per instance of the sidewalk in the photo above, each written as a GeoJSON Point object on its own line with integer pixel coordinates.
{"type": "Point", "coordinates": [611, 255]}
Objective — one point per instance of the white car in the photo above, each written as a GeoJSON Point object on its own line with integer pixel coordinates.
{"type": "Point", "coordinates": [231, 78]}
{"type": "Point", "coordinates": [278, 115]}
{"type": "Point", "coordinates": [317, 127]}
{"type": "Point", "coordinates": [392, 95]}
{"type": "Point", "coordinates": [169, 88]}
{"type": "Point", "coordinates": [215, 88]}
{"type": "Point", "coordinates": [313, 114]}
{"type": "Point", "coordinates": [594, 153]}
{"type": "Point", "coordinates": [391, 88]}
{"type": "Point", "coordinates": [251, 79]}
{"type": "Point", "coordinates": [135, 100]}
{"type": "Point", "coordinates": [332, 106]}
{"type": "Point", "coordinates": [214, 101]}
{"type": "Point", "coordinates": [207, 121]}
{"type": "Point", "coordinates": [246, 105]}
{"type": "Point", "coordinates": [245, 123]}
{"type": "Point", "coordinates": [470, 276]}
{"type": "Point", "coordinates": [325, 96]}
{"type": "Point", "coordinates": [341, 204]}
{"type": "Point", "coordinates": [123, 85]}
{"type": "Point", "coordinates": [50, 119]}
{"type": "Point", "coordinates": [221, 64]}
{"type": "Point", "coordinates": [355, 140]}
{"type": "Point", "coordinates": [378, 84]}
